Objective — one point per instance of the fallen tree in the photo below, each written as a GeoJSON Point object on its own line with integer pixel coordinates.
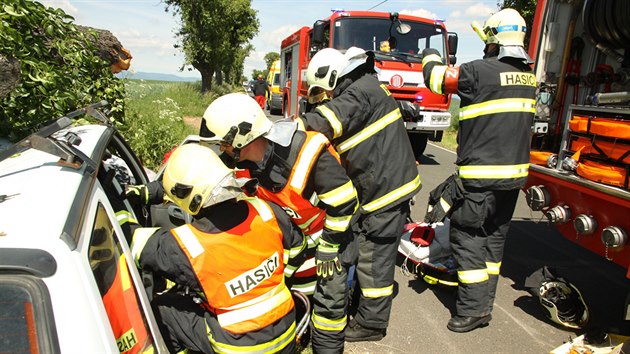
{"type": "Point", "coordinates": [49, 66]}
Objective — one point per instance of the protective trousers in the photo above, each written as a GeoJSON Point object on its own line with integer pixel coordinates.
{"type": "Point", "coordinates": [378, 236]}
{"type": "Point", "coordinates": [185, 324]}
{"type": "Point", "coordinates": [479, 228]}
{"type": "Point", "coordinates": [330, 302]}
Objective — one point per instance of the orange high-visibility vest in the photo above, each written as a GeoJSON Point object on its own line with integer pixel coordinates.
{"type": "Point", "coordinates": [241, 270]}
{"type": "Point", "coordinates": [123, 311]}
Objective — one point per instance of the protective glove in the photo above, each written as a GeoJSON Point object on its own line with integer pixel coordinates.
{"type": "Point", "coordinates": [327, 259]}
{"type": "Point", "coordinates": [137, 194]}
{"type": "Point", "coordinates": [149, 194]}
{"type": "Point", "coordinates": [443, 198]}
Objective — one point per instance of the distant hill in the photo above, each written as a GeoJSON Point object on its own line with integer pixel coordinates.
{"type": "Point", "coordinates": [155, 76]}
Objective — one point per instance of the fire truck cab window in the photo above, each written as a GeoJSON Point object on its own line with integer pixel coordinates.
{"type": "Point", "coordinates": [368, 33]}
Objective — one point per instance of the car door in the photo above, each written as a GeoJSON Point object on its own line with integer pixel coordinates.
{"type": "Point", "coordinates": [120, 285]}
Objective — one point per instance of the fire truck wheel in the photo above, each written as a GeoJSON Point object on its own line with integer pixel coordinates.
{"type": "Point", "coordinates": [418, 144]}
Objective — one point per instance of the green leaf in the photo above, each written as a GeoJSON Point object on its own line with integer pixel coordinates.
{"type": "Point", "coordinates": [11, 11]}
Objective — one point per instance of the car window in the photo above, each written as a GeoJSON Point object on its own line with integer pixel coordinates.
{"type": "Point", "coordinates": [26, 317]}
{"type": "Point", "coordinates": [119, 168]}
{"type": "Point", "coordinates": [116, 287]}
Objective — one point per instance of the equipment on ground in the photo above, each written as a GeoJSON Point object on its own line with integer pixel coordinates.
{"type": "Point", "coordinates": [427, 253]}
{"type": "Point", "coordinates": [562, 301]}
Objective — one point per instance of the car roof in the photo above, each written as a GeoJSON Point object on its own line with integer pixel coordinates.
{"type": "Point", "coordinates": [39, 191]}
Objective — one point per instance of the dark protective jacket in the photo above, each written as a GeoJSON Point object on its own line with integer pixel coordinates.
{"type": "Point", "coordinates": [495, 119]}
{"type": "Point", "coordinates": [364, 124]}
{"type": "Point", "coordinates": [193, 261]}
{"type": "Point", "coordinates": [260, 88]}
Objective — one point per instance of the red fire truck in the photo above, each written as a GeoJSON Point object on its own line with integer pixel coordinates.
{"type": "Point", "coordinates": [580, 165]}
{"type": "Point", "coordinates": [397, 41]}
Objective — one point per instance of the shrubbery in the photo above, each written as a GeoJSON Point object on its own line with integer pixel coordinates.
{"type": "Point", "coordinates": [154, 113]}
{"type": "Point", "coordinates": [59, 70]}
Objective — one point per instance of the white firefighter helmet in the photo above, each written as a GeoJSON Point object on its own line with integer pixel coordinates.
{"type": "Point", "coordinates": [506, 27]}
{"type": "Point", "coordinates": [354, 57]}
{"type": "Point", "coordinates": [564, 303]}
{"type": "Point", "coordinates": [195, 177]}
{"type": "Point", "coordinates": [235, 119]}
{"type": "Point", "coordinates": [325, 68]}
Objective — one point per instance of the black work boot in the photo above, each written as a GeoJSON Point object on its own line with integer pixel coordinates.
{"type": "Point", "coordinates": [357, 333]}
{"type": "Point", "coordinates": [467, 323]}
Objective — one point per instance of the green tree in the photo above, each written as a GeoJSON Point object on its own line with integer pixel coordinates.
{"type": "Point", "coordinates": [527, 9]}
{"type": "Point", "coordinates": [214, 36]}
{"type": "Point", "coordinates": [257, 72]}
{"type": "Point", "coordinates": [270, 58]}
{"type": "Point", "coordinates": [56, 65]}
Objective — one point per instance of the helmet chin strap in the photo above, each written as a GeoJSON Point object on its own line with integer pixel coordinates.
{"type": "Point", "coordinates": [237, 154]}
{"type": "Point", "coordinates": [491, 50]}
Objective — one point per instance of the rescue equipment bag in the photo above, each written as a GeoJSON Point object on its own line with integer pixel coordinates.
{"type": "Point", "coordinates": [426, 250]}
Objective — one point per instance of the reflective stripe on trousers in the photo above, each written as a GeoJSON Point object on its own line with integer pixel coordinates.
{"type": "Point", "coordinates": [378, 235]}
{"type": "Point", "coordinates": [479, 252]}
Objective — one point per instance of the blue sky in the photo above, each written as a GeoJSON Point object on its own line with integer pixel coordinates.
{"type": "Point", "coordinates": [143, 27]}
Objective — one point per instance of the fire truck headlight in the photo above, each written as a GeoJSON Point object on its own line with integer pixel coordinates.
{"type": "Point", "coordinates": [419, 98]}
{"type": "Point", "coordinates": [439, 119]}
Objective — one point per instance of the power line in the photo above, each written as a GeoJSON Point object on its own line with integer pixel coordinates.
{"type": "Point", "coordinates": [382, 2]}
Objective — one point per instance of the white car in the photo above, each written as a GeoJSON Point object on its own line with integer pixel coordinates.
{"type": "Point", "coordinates": [68, 282]}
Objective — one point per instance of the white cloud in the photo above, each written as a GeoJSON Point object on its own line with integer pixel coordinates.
{"type": "Point", "coordinates": [459, 20]}
{"type": "Point", "coordinates": [420, 13]}
{"type": "Point", "coordinates": [65, 5]}
{"type": "Point", "coordinates": [271, 39]}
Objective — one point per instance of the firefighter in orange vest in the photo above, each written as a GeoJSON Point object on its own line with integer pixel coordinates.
{"type": "Point", "coordinates": [301, 172]}
{"type": "Point", "coordinates": [231, 257]}
{"type": "Point", "coordinates": [497, 111]}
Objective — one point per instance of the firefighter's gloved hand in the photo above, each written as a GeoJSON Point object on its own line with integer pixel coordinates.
{"type": "Point", "coordinates": [443, 198]}
{"type": "Point", "coordinates": [137, 194]}
{"type": "Point", "coordinates": [327, 259]}
{"type": "Point", "coordinates": [149, 194]}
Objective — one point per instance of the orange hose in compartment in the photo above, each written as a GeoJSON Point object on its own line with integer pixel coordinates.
{"type": "Point", "coordinates": [597, 172]}
{"type": "Point", "coordinates": [611, 128]}
{"type": "Point", "coordinates": [613, 150]}
{"type": "Point", "coordinates": [539, 157]}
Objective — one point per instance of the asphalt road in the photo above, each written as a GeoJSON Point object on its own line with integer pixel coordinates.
{"type": "Point", "coordinates": [420, 311]}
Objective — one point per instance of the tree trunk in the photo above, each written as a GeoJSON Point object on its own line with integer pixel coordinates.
{"type": "Point", "coordinates": [9, 75]}
{"type": "Point", "coordinates": [206, 79]}
{"type": "Point", "coordinates": [219, 77]}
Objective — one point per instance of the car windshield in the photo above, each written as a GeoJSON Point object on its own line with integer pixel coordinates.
{"type": "Point", "coordinates": [368, 33]}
